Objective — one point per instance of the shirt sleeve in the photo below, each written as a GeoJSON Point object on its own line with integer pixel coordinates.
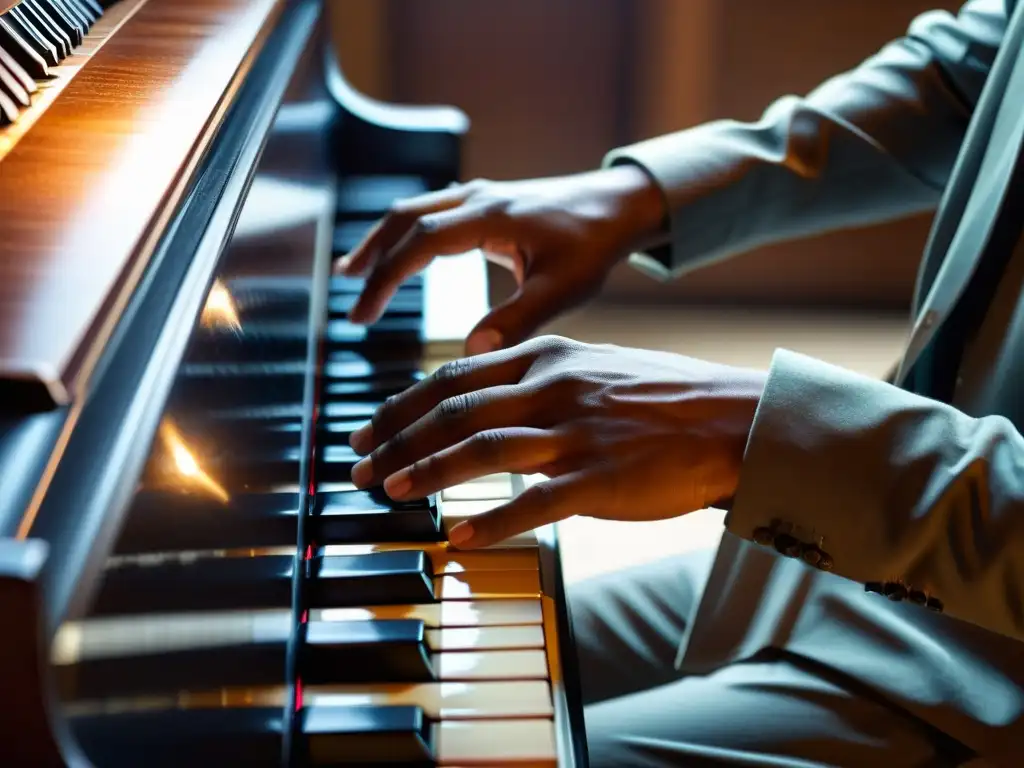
{"type": "Point", "coordinates": [870, 145]}
{"type": "Point", "coordinates": [908, 495]}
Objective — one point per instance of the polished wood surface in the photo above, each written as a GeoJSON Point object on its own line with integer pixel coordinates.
{"type": "Point", "coordinates": [85, 194]}
{"type": "Point", "coordinates": [62, 74]}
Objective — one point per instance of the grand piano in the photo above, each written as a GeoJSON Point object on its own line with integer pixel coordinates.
{"type": "Point", "coordinates": [187, 576]}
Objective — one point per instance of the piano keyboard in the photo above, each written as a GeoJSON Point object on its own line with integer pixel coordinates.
{"type": "Point", "coordinates": [43, 44]}
{"type": "Point", "coordinates": [400, 649]}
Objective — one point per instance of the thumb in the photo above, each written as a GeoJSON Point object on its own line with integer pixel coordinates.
{"type": "Point", "coordinates": [537, 302]}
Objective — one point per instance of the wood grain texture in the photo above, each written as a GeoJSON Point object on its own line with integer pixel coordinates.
{"type": "Point", "coordinates": [62, 74]}
{"type": "Point", "coordinates": [85, 194]}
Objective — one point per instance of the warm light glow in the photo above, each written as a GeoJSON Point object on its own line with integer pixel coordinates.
{"type": "Point", "coordinates": [182, 468]}
{"type": "Point", "coordinates": [219, 310]}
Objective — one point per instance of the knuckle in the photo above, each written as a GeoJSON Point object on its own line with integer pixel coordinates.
{"type": "Point", "coordinates": [457, 408]}
{"type": "Point", "coordinates": [553, 345]}
{"type": "Point", "coordinates": [490, 447]}
{"type": "Point", "coordinates": [540, 496]}
{"type": "Point", "coordinates": [423, 226]}
{"type": "Point", "coordinates": [401, 208]}
{"type": "Point", "coordinates": [453, 370]}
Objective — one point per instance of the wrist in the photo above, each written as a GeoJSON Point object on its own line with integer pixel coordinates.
{"type": "Point", "coordinates": [740, 402]}
{"type": "Point", "coordinates": [639, 206]}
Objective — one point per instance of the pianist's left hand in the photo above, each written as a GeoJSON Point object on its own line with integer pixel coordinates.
{"type": "Point", "coordinates": [622, 434]}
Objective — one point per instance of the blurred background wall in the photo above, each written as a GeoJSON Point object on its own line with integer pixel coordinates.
{"type": "Point", "coordinates": [551, 85]}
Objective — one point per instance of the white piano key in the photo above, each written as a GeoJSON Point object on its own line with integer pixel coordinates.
{"type": "Point", "coordinates": [442, 701]}
{"type": "Point", "coordinates": [485, 585]}
{"type": "Point", "coordinates": [496, 743]}
{"type": "Point", "coordinates": [458, 613]}
{"type": "Point", "coordinates": [489, 487]}
{"type": "Point", "coordinates": [455, 512]}
{"type": "Point", "coordinates": [486, 638]}
{"type": "Point", "coordinates": [464, 508]}
{"type": "Point", "coordinates": [528, 664]}
{"type": "Point", "coordinates": [457, 561]}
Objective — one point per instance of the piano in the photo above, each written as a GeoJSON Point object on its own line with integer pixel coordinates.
{"type": "Point", "coordinates": [187, 575]}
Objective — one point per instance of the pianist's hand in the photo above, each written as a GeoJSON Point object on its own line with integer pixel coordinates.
{"type": "Point", "coordinates": [623, 434]}
{"type": "Point", "coordinates": [560, 237]}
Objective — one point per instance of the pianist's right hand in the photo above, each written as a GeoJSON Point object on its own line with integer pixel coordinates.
{"type": "Point", "coordinates": [559, 236]}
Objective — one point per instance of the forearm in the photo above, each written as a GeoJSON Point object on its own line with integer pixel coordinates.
{"type": "Point", "coordinates": [872, 144]}
{"type": "Point", "coordinates": [895, 489]}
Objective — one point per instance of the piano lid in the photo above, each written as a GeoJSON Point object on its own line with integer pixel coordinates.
{"type": "Point", "coordinates": [86, 192]}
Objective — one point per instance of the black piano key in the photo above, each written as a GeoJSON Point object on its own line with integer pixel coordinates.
{"type": "Point", "coordinates": [348, 234]}
{"type": "Point", "coordinates": [94, 6]}
{"type": "Point", "coordinates": [8, 109]}
{"type": "Point", "coordinates": [366, 517]}
{"type": "Point", "coordinates": [76, 16]}
{"type": "Point", "coordinates": [252, 384]}
{"type": "Point", "coordinates": [22, 51]}
{"type": "Point", "coordinates": [11, 87]}
{"type": "Point", "coordinates": [198, 657]}
{"type": "Point", "coordinates": [369, 390]}
{"type": "Point", "coordinates": [342, 331]}
{"type": "Point", "coordinates": [159, 521]}
{"type": "Point", "coordinates": [209, 385]}
{"type": "Point", "coordinates": [365, 735]}
{"type": "Point", "coordinates": [155, 655]}
{"type": "Point", "coordinates": [64, 20]}
{"type": "Point", "coordinates": [334, 464]}
{"type": "Point", "coordinates": [283, 341]}
{"type": "Point", "coordinates": [263, 342]}
{"type": "Point", "coordinates": [46, 26]}
{"type": "Point", "coordinates": [265, 581]}
{"type": "Point", "coordinates": [203, 584]}
{"type": "Point", "coordinates": [343, 285]}
{"type": "Point", "coordinates": [338, 432]}
{"type": "Point", "coordinates": [172, 738]}
{"type": "Point", "coordinates": [264, 414]}
{"type": "Point", "coordinates": [17, 73]}
{"type": "Point", "coordinates": [257, 468]}
{"type": "Point", "coordinates": [355, 410]}
{"type": "Point", "coordinates": [92, 11]}
{"type": "Point", "coordinates": [351, 365]}
{"type": "Point", "coordinates": [373, 195]}
{"type": "Point", "coordinates": [403, 303]}
{"type": "Point", "coordinates": [24, 26]}
{"type": "Point", "coordinates": [375, 651]}
{"type": "Point", "coordinates": [399, 577]}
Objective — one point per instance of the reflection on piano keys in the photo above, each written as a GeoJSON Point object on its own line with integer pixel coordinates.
{"type": "Point", "coordinates": [249, 605]}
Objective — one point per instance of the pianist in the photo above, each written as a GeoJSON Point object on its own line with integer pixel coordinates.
{"type": "Point", "coordinates": [866, 604]}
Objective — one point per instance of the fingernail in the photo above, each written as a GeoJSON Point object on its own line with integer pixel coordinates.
{"type": "Point", "coordinates": [362, 473]}
{"type": "Point", "coordinates": [344, 262]}
{"type": "Point", "coordinates": [399, 483]}
{"type": "Point", "coordinates": [460, 534]}
{"type": "Point", "coordinates": [361, 439]}
{"type": "Point", "coordinates": [484, 341]}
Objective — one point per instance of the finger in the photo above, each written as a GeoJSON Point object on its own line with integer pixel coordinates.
{"type": "Point", "coordinates": [396, 223]}
{"type": "Point", "coordinates": [581, 492]}
{"type": "Point", "coordinates": [518, 449]}
{"type": "Point", "coordinates": [444, 233]}
{"type": "Point", "coordinates": [540, 299]}
{"type": "Point", "coordinates": [454, 378]}
{"type": "Point", "coordinates": [451, 421]}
